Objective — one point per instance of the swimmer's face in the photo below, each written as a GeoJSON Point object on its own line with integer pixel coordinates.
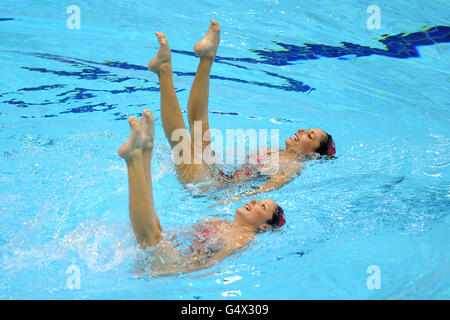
{"type": "Point", "coordinates": [256, 213]}
{"type": "Point", "coordinates": [306, 142]}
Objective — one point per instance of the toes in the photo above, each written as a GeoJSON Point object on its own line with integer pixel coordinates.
{"type": "Point", "coordinates": [147, 114]}
{"type": "Point", "coordinates": [215, 25]}
{"type": "Point", "coordinates": [127, 150]}
{"type": "Point", "coordinates": [147, 118]}
{"type": "Point", "coordinates": [161, 37]}
{"type": "Point", "coordinates": [134, 123]}
{"type": "Point", "coordinates": [148, 123]}
{"type": "Point", "coordinates": [132, 120]}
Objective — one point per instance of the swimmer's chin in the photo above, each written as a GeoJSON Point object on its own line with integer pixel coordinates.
{"type": "Point", "coordinates": [241, 215]}
{"type": "Point", "coordinates": [241, 211]}
{"type": "Point", "coordinates": [288, 144]}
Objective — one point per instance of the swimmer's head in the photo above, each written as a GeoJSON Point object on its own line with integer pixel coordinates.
{"type": "Point", "coordinates": [311, 142]}
{"type": "Point", "coordinates": [260, 215]}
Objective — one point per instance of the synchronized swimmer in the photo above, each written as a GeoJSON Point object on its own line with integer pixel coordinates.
{"type": "Point", "coordinates": [303, 145]}
{"type": "Point", "coordinates": [213, 239]}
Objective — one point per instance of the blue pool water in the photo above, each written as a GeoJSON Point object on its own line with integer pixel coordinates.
{"type": "Point", "coordinates": [382, 93]}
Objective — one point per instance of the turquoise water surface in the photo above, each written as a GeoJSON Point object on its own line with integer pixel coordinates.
{"type": "Point", "coordinates": [382, 93]}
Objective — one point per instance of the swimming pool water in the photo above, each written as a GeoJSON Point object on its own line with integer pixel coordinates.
{"type": "Point", "coordinates": [382, 93]}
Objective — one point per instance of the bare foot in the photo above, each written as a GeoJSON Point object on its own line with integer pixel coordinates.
{"type": "Point", "coordinates": [133, 145]}
{"type": "Point", "coordinates": [147, 130]}
{"type": "Point", "coordinates": [163, 57]}
{"type": "Point", "coordinates": [207, 47]}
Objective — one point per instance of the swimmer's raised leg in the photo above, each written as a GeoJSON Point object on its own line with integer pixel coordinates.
{"type": "Point", "coordinates": [206, 49]}
{"type": "Point", "coordinates": [171, 116]}
{"type": "Point", "coordinates": [147, 142]}
{"type": "Point", "coordinates": [141, 206]}
{"type": "Point", "coordinates": [188, 169]}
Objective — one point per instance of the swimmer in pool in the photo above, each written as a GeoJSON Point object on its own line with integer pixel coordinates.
{"type": "Point", "coordinates": [302, 146]}
{"type": "Point", "coordinates": [214, 239]}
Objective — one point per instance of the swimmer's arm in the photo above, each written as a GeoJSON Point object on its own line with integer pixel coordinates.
{"type": "Point", "coordinates": [275, 182]}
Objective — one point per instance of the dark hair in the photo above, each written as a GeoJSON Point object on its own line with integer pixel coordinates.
{"type": "Point", "coordinates": [324, 145]}
{"type": "Point", "coordinates": [276, 218]}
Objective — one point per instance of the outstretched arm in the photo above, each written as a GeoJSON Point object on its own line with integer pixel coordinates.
{"type": "Point", "coordinates": [276, 181]}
